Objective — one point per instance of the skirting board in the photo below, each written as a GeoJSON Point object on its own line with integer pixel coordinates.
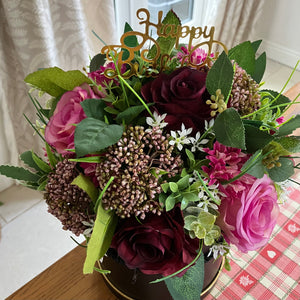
{"type": "Point", "coordinates": [280, 53]}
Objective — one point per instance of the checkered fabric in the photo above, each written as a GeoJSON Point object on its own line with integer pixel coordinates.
{"type": "Point", "coordinates": [272, 273]}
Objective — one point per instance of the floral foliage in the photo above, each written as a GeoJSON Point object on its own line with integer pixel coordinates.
{"type": "Point", "coordinates": [157, 160]}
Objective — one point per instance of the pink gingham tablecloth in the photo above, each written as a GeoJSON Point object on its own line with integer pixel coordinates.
{"type": "Point", "coordinates": [273, 272]}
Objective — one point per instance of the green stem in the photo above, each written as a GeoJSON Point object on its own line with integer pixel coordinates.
{"type": "Point", "coordinates": [206, 189]}
{"type": "Point", "coordinates": [184, 268]}
{"type": "Point", "coordinates": [102, 192]}
{"type": "Point", "coordinates": [136, 94]}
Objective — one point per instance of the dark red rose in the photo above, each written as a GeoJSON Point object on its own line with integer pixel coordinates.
{"type": "Point", "coordinates": [158, 246]}
{"type": "Point", "coordinates": [182, 95]}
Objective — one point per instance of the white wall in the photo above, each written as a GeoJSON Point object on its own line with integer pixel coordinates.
{"type": "Point", "coordinates": [279, 27]}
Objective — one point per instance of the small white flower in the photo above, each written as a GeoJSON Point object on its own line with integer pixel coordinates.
{"type": "Point", "coordinates": [156, 121]}
{"type": "Point", "coordinates": [197, 142]}
{"type": "Point", "coordinates": [209, 124]}
{"type": "Point", "coordinates": [218, 250]}
{"type": "Point", "coordinates": [180, 137]}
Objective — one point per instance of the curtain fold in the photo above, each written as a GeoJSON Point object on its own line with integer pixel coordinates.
{"type": "Point", "coordinates": [234, 20]}
{"type": "Point", "coordinates": [38, 34]}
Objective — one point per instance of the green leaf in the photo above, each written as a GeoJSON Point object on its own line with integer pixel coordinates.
{"type": "Point", "coordinates": [41, 164]}
{"type": "Point", "coordinates": [220, 76]}
{"type": "Point", "coordinates": [86, 185]}
{"type": "Point", "coordinates": [26, 157]}
{"type": "Point", "coordinates": [165, 186]}
{"type": "Point", "coordinates": [190, 197]}
{"type": "Point", "coordinates": [254, 165]}
{"type": "Point", "coordinates": [51, 157]}
{"type": "Point", "coordinates": [282, 173]}
{"type": "Point", "coordinates": [190, 285]}
{"type": "Point", "coordinates": [289, 127]}
{"type": "Point", "coordinates": [255, 45]}
{"type": "Point", "coordinates": [255, 138]}
{"type": "Point", "coordinates": [170, 202]}
{"type": "Point", "coordinates": [183, 182]}
{"type": "Point", "coordinates": [291, 143]}
{"type": "Point", "coordinates": [97, 61]}
{"type": "Point", "coordinates": [130, 41]}
{"type": "Point", "coordinates": [166, 44]}
{"type": "Point", "coordinates": [129, 114]}
{"type": "Point", "coordinates": [55, 81]}
{"type": "Point", "coordinates": [244, 55]}
{"type": "Point", "coordinates": [94, 108]}
{"type": "Point", "coordinates": [103, 231]}
{"type": "Point", "coordinates": [229, 129]}
{"type": "Point", "coordinates": [92, 135]}
{"type": "Point", "coordinates": [173, 186]}
{"type": "Point", "coordinates": [260, 67]}
{"type": "Point", "coordinates": [18, 173]}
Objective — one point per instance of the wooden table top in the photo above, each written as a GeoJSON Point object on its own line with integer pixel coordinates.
{"type": "Point", "coordinates": [64, 280]}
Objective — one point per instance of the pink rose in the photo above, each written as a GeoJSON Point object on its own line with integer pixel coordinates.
{"type": "Point", "coordinates": [59, 132]}
{"type": "Point", "coordinates": [158, 245]}
{"type": "Point", "coordinates": [248, 212]}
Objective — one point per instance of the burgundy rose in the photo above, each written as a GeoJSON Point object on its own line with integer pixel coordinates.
{"type": "Point", "coordinates": [157, 246]}
{"type": "Point", "coordinates": [182, 95]}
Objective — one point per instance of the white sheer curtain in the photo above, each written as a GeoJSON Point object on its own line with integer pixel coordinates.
{"type": "Point", "coordinates": [234, 20]}
{"type": "Point", "coordinates": [37, 34]}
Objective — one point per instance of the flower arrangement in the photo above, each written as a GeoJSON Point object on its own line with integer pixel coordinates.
{"type": "Point", "coordinates": [155, 152]}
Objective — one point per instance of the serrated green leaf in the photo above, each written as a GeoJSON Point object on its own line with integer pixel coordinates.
{"type": "Point", "coordinates": [290, 143]}
{"type": "Point", "coordinates": [19, 173]}
{"type": "Point", "coordinates": [289, 127]}
{"type": "Point", "coordinates": [173, 186]}
{"type": "Point", "coordinates": [229, 129]}
{"type": "Point", "coordinates": [170, 202]}
{"type": "Point", "coordinates": [55, 81]}
{"type": "Point", "coordinates": [41, 164]}
{"type": "Point", "coordinates": [254, 165]}
{"type": "Point", "coordinates": [94, 108]}
{"type": "Point", "coordinates": [256, 139]}
{"type": "Point", "coordinates": [190, 285]}
{"type": "Point", "coordinates": [97, 61]}
{"type": "Point", "coordinates": [103, 231]}
{"type": "Point", "coordinates": [220, 76]}
{"type": "Point", "coordinates": [26, 157]}
{"type": "Point", "coordinates": [244, 55]}
{"type": "Point", "coordinates": [282, 173]}
{"type": "Point", "coordinates": [92, 135]}
{"type": "Point", "coordinates": [85, 183]}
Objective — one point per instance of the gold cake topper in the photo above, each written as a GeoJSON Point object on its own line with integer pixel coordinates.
{"type": "Point", "coordinates": [144, 38]}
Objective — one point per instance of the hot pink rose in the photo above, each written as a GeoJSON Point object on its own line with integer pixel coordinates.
{"type": "Point", "coordinates": [59, 132]}
{"type": "Point", "coordinates": [248, 213]}
{"type": "Point", "coordinates": [157, 246]}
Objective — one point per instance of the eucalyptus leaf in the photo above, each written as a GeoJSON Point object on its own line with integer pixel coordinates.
{"type": "Point", "coordinates": [260, 67]}
{"type": "Point", "coordinates": [255, 45]}
{"type": "Point", "coordinates": [129, 114]}
{"type": "Point", "coordinates": [190, 285]}
{"type": "Point", "coordinates": [130, 41]}
{"type": "Point", "coordinates": [220, 76]}
{"type": "Point", "coordinates": [254, 165]}
{"type": "Point", "coordinates": [282, 173]}
{"type": "Point", "coordinates": [92, 135]}
{"type": "Point", "coordinates": [229, 129]}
